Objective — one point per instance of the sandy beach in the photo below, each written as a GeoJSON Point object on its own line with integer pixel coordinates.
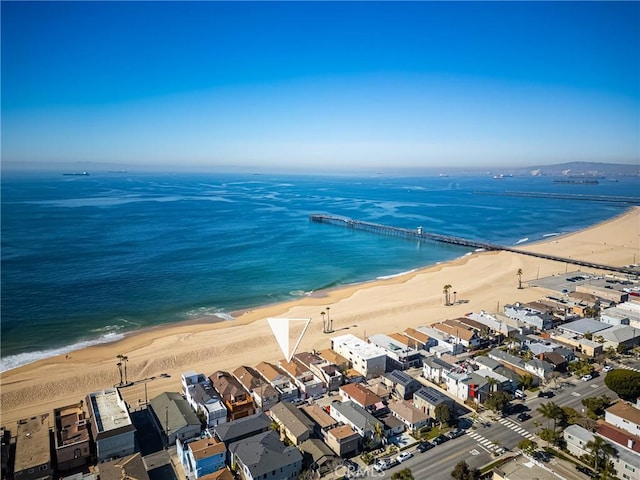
{"type": "Point", "coordinates": [485, 280]}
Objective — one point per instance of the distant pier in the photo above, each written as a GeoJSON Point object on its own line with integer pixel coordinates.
{"type": "Point", "coordinates": [419, 234]}
{"type": "Point", "coordinates": [566, 196]}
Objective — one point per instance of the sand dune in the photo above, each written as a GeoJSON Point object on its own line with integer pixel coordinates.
{"type": "Point", "coordinates": [486, 280]}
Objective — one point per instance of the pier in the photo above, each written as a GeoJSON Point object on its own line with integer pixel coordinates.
{"type": "Point", "coordinates": [419, 234]}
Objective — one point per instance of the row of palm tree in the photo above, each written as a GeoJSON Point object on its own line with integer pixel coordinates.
{"type": "Point", "coordinates": [122, 362]}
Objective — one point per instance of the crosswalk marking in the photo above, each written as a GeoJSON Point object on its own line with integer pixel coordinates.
{"type": "Point", "coordinates": [516, 428]}
{"type": "Point", "coordinates": [484, 442]}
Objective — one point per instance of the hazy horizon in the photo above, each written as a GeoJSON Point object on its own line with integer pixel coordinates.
{"type": "Point", "coordinates": [314, 86]}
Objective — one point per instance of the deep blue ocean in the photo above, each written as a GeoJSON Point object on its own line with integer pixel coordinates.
{"type": "Point", "coordinates": [86, 259]}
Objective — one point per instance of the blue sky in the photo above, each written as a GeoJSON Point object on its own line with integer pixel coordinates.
{"type": "Point", "coordinates": [321, 84]}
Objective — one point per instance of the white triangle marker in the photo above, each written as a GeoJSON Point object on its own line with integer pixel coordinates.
{"type": "Point", "coordinates": [280, 328]}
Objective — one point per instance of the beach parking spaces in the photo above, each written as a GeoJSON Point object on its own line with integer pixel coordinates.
{"type": "Point", "coordinates": [517, 428]}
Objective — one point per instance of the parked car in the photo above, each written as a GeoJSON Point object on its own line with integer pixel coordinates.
{"type": "Point", "coordinates": [546, 394]}
{"type": "Point", "coordinates": [587, 471]}
{"type": "Point", "coordinates": [455, 433]}
{"type": "Point", "coordinates": [586, 378]}
{"type": "Point", "coordinates": [440, 439]}
{"type": "Point", "coordinates": [541, 456]}
{"type": "Point", "coordinates": [424, 446]}
{"type": "Point", "coordinates": [519, 394]}
{"type": "Point", "coordinates": [607, 368]}
{"type": "Point", "coordinates": [523, 416]}
{"type": "Point", "coordinates": [404, 456]}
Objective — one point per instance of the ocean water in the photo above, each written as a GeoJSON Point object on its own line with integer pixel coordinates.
{"type": "Point", "coordinates": [86, 259]}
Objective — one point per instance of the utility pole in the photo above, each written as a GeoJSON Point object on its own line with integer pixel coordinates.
{"type": "Point", "coordinates": [166, 424]}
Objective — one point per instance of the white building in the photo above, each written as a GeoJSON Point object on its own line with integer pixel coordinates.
{"type": "Point", "coordinates": [625, 416]}
{"type": "Point", "coordinates": [111, 424]}
{"type": "Point", "coordinates": [201, 396]}
{"type": "Point", "coordinates": [400, 356]}
{"type": "Point", "coordinates": [530, 316]}
{"type": "Point", "coordinates": [446, 343]}
{"type": "Point", "coordinates": [367, 359]}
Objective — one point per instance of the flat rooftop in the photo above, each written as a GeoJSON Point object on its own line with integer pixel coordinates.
{"type": "Point", "coordinates": [32, 443]}
{"type": "Point", "coordinates": [109, 410]}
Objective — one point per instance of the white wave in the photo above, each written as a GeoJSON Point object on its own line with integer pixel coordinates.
{"type": "Point", "coordinates": [209, 312]}
{"type": "Point", "coordinates": [522, 240]}
{"type": "Point", "coordinates": [108, 328]}
{"type": "Point", "coordinates": [550, 234]}
{"type": "Point", "coordinates": [386, 277]}
{"type": "Point", "coordinates": [297, 293]}
{"type": "Point", "coordinates": [14, 361]}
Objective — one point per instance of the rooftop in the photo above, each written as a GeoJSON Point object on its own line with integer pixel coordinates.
{"type": "Point", "coordinates": [360, 394]}
{"type": "Point", "coordinates": [318, 415]}
{"type": "Point", "coordinates": [129, 468]}
{"type": "Point", "coordinates": [292, 418]}
{"type": "Point", "coordinates": [265, 453]}
{"type": "Point", "coordinates": [242, 426]}
{"type": "Point", "coordinates": [619, 437]}
{"type": "Point", "coordinates": [626, 411]}
{"type": "Point", "coordinates": [206, 447]}
{"type": "Point", "coordinates": [32, 443]}
{"type": "Point", "coordinates": [71, 425]}
{"type": "Point", "coordinates": [584, 325]}
{"type": "Point", "coordinates": [399, 377]}
{"type": "Point", "coordinates": [431, 395]}
{"type": "Point", "coordinates": [343, 431]}
{"type": "Point", "coordinates": [109, 410]}
{"type": "Point", "coordinates": [357, 346]}
{"type": "Point", "coordinates": [521, 467]}
{"type": "Point", "coordinates": [419, 336]}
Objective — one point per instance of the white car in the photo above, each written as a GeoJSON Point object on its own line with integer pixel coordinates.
{"type": "Point", "coordinates": [607, 368]}
{"type": "Point", "coordinates": [586, 378]}
{"type": "Point", "coordinates": [404, 456]}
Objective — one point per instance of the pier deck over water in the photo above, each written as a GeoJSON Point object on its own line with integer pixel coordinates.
{"type": "Point", "coordinates": [419, 234]}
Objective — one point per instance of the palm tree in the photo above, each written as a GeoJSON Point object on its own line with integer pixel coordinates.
{"type": "Point", "coordinates": [445, 290]}
{"type": "Point", "coordinates": [492, 382]}
{"type": "Point", "coordinates": [519, 274]}
{"type": "Point", "coordinates": [324, 325]}
{"type": "Point", "coordinates": [378, 431]}
{"type": "Point", "coordinates": [600, 449]}
{"type": "Point", "coordinates": [119, 365]}
{"type": "Point", "coordinates": [550, 411]}
{"type": "Point", "coordinates": [123, 360]}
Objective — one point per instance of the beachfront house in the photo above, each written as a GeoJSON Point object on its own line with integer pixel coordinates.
{"type": "Point", "coordinates": [203, 399]}
{"type": "Point", "coordinates": [237, 400]}
{"type": "Point", "coordinates": [445, 343]}
{"type": "Point", "coordinates": [173, 417]}
{"type": "Point", "coordinates": [461, 333]}
{"type": "Point", "coordinates": [326, 371]}
{"type": "Point", "coordinates": [365, 424]}
{"type": "Point", "coordinates": [401, 384]}
{"type": "Point", "coordinates": [71, 436]}
{"type": "Point", "coordinates": [278, 379]}
{"type": "Point", "coordinates": [361, 396]}
{"type": "Point", "coordinates": [294, 424]}
{"type": "Point", "coordinates": [32, 459]}
{"type": "Point", "coordinates": [307, 383]}
{"type": "Point", "coordinates": [399, 355]}
{"type": "Point", "coordinates": [264, 456]}
{"type": "Point", "coordinates": [368, 359]}
{"type": "Point", "coordinates": [262, 393]}
{"type": "Point", "coordinates": [412, 417]}
{"type": "Point", "coordinates": [111, 426]}
{"type": "Point", "coordinates": [428, 398]}
{"type": "Point", "coordinates": [125, 468]}
{"type": "Point", "coordinates": [201, 457]}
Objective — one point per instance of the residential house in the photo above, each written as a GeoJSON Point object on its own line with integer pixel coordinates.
{"type": "Point", "coordinates": [201, 457]}
{"type": "Point", "coordinates": [584, 326]}
{"type": "Point", "coordinates": [392, 425]}
{"type": "Point", "coordinates": [326, 371]}
{"type": "Point", "coordinates": [619, 316]}
{"type": "Point", "coordinates": [111, 426]}
{"type": "Point", "coordinates": [539, 368]}
{"type": "Point", "coordinates": [363, 397]}
{"type": "Point", "coordinates": [620, 337]}
{"type": "Point", "coordinates": [294, 424]}
{"type": "Point", "coordinates": [578, 343]}
{"type": "Point", "coordinates": [366, 358]}
{"type": "Point", "coordinates": [467, 385]}
{"type": "Point", "coordinates": [490, 368]}
{"type": "Point", "coordinates": [237, 400]}
{"type": "Point", "coordinates": [224, 474]}
{"type": "Point", "coordinates": [445, 343]}
{"type": "Point", "coordinates": [318, 457]}
{"type": "Point", "coordinates": [32, 459]}
{"type": "Point", "coordinates": [174, 418]}
{"type": "Point", "coordinates": [625, 416]}
{"type": "Point", "coordinates": [322, 421]}
{"type": "Point", "coordinates": [411, 416]}
{"type": "Point", "coordinates": [308, 384]}
{"type": "Point", "coordinates": [242, 428]}
{"type": "Point", "coordinates": [399, 355]}
{"type": "Point", "coordinates": [559, 363]}
{"type": "Point", "coordinates": [428, 398]}
{"type": "Point", "coordinates": [129, 467]}
{"type": "Point", "coordinates": [335, 358]}
{"type": "Point", "coordinates": [264, 456]}
{"type": "Point", "coordinates": [493, 323]}
{"type": "Point", "coordinates": [537, 318]}
{"type": "Point", "coordinates": [513, 363]}
{"type": "Point", "coordinates": [627, 446]}
{"type": "Point", "coordinates": [401, 384]}
{"type": "Point", "coordinates": [419, 340]}
{"type": "Point", "coordinates": [71, 435]}
{"type": "Point", "coordinates": [459, 334]}
{"type": "Point", "coordinates": [262, 393]}
{"type": "Point", "coordinates": [201, 396]}
{"type": "Point", "coordinates": [358, 418]}
{"type": "Point", "coordinates": [434, 369]}
{"type": "Point", "coordinates": [344, 441]}
{"type": "Point", "coordinates": [577, 438]}
{"type": "Point", "coordinates": [278, 379]}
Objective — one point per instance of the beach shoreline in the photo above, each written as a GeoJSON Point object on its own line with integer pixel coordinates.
{"type": "Point", "coordinates": [157, 355]}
